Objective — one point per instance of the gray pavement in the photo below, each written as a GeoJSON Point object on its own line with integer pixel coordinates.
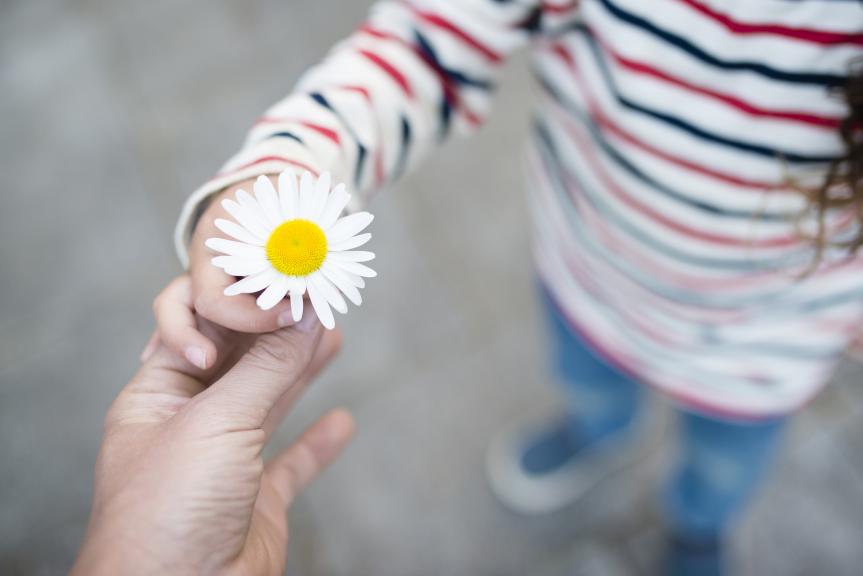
{"type": "Point", "coordinates": [111, 112]}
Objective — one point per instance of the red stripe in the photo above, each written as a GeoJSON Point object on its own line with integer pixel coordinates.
{"type": "Point", "coordinates": [604, 122]}
{"type": "Point", "coordinates": [359, 89]}
{"type": "Point", "coordinates": [263, 159]}
{"type": "Point", "coordinates": [609, 126]}
{"type": "Point", "coordinates": [391, 70]}
{"type": "Point", "coordinates": [328, 133]}
{"type": "Point", "coordinates": [380, 34]}
{"type": "Point", "coordinates": [450, 92]}
{"type": "Point", "coordinates": [550, 8]}
{"type": "Point", "coordinates": [439, 21]}
{"type": "Point", "coordinates": [323, 131]}
{"type": "Point", "coordinates": [791, 115]}
{"type": "Point", "coordinates": [805, 34]}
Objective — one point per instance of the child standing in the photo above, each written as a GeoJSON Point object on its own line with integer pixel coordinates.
{"type": "Point", "coordinates": [695, 203]}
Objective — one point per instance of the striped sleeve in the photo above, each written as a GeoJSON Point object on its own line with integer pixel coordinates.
{"type": "Point", "coordinates": [415, 72]}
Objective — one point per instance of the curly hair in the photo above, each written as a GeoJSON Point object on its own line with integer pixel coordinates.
{"type": "Point", "coordinates": [842, 186]}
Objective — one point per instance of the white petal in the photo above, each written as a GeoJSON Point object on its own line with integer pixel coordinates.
{"type": "Point", "coordinates": [357, 281]}
{"type": "Point", "coordinates": [297, 284]}
{"type": "Point", "coordinates": [274, 293]}
{"type": "Point", "coordinates": [248, 202]}
{"type": "Point", "coordinates": [297, 288]}
{"type": "Point", "coordinates": [356, 268]}
{"type": "Point", "coordinates": [237, 232]}
{"type": "Point", "coordinates": [222, 261]}
{"type": "Point", "coordinates": [337, 201]}
{"type": "Point", "coordinates": [297, 306]}
{"type": "Point", "coordinates": [307, 193]}
{"type": "Point", "coordinates": [350, 243]}
{"type": "Point", "coordinates": [288, 195]}
{"type": "Point", "coordinates": [333, 296]}
{"type": "Point", "coordinates": [234, 248]}
{"type": "Point", "coordinates": [252, 284]}
{"type": "Point", "coordinates": [352, 256]}
{"type": "Point", "coordinates": [348, 226]}
{"type": "Point", "coordinates": [247, 219]}
{"type": "Point", "coordinates": [236, 266]}
{"type": "Point", "coordinates": [342, 282]}
{"type": "Point", "coordinates": [322, 309]}
{"type": "Point", "coordinates": [268, 200]}
{"type": "Point", "coordinates": [319, 198]}
{"type": "Point", "coordinates": [253, 207]}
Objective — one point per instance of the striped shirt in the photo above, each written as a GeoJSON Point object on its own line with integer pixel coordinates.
{"type": "Point", "coordinates": [666, 135]}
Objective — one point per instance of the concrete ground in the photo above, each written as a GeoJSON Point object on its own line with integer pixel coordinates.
{"type": "Point", "coordinates": [112, 112]}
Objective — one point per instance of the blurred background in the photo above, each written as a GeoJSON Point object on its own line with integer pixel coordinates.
{"type": "Point", "coordinates": [112, 112]}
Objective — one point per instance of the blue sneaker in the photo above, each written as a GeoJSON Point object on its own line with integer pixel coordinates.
{"type": "Point", "coordinates": [541, 469]}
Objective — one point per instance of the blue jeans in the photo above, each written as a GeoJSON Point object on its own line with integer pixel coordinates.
{"type": "Point", "coordinates": [720, 462]}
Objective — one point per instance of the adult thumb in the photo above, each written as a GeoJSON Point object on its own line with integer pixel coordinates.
{"type": "Point", "coordinates": [272, 366]}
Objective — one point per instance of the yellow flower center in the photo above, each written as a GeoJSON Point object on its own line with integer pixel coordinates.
{"type": "Point", "coordinates": [297, 247]}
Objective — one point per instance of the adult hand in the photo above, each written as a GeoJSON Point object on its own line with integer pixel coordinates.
{"type": "Point", "coordinates": [180, 483]}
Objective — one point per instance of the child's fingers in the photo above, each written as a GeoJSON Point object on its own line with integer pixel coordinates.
{"type": "Point", "coordinates": [240, 312]}
{"type": "Point", "coordinates": [178, 328]}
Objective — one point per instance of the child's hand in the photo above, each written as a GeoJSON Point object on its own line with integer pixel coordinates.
{"type": "Point", "coordinates": [202, 291]}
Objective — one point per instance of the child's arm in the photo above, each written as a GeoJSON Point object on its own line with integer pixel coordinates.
{"type": "Point", "coordinates": [415, 73]}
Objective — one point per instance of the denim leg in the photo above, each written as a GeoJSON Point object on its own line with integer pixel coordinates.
{"type": "Point", "coordinates": [720, 465]}
{"type": "Point", "coordinates": [600, 399]}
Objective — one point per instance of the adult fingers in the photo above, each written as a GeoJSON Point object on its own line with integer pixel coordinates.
{"type": "Point", "coordinates": [245, 394]}
{"type": "Point", "coordinates": [331, 342]}
{"type": "Point", "coordinates": [297, 466]}
{"type": "Point", "coordinates": [150, 347]}
{"type": "Point", "coordinates": [163, 373]}
{"type": "Point", "coordinates": [177, 325]}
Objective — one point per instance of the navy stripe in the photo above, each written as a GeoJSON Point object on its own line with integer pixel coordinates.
{"type": "Point", "coordinates": [445, 115]}
{"type": "Point", "coordinates": [289, 135]}
{"type": "Point", "coordinates": [404, 149]}
{"type": "Point", "coordinates": [453, 76]}
{"type": "Point", "coordinates": [532, 23]}
{"type": "Point", "coordinates": [456, 76]}
{"type": "Point", "coordinates": [619, 159]}
{"type": "Point", "coordinates": [757, 149]}
{"type": "Point", "coordinates": [361, 149]}
{"type": "Point", "coordinates": [445, 109]}
{"type": "Point", "coordinates": [819, 79]}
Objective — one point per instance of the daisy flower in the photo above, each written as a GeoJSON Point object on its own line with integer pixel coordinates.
{"type": "Point", "coordinates": [295, 242]}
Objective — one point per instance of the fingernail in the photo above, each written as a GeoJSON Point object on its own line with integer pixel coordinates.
{"type": "Point", "coordinates": [285, 319]}
{"type": "Point", "coordinates": [307, 322]}
{"type": "Point", "coordinates": [196, 356]}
